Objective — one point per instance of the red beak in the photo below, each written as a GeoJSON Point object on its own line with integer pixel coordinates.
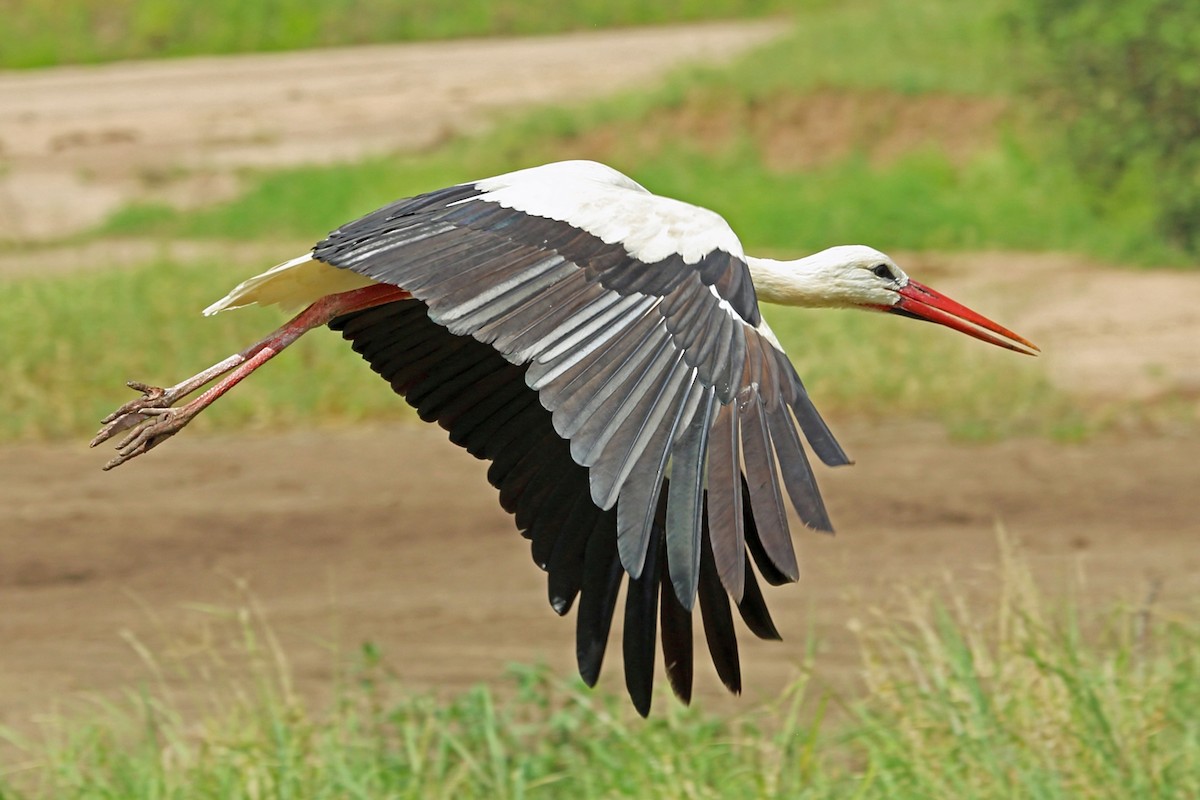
{"type": "Point", "coordinates": [921, 302]}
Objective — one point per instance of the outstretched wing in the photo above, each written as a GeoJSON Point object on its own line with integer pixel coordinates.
{"type": "Point", "coordinates": [655, 381]}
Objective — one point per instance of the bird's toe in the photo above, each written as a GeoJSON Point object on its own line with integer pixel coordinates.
{"type": "Point", "coordinates": [150, 428]}
{"type": "Point", "coordinates": [154, 400]}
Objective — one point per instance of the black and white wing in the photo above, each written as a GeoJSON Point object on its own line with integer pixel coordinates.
{"type": "Point", "coordinates": [603, 347]}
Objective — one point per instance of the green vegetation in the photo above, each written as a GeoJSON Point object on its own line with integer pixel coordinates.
{"type": "Point", "coordinates": [1126, 79]}
{"type": "Point", "coordinates": [910, 47]}
{"type": "Point", "coordinates": [707, 136]}
{"type": "Point", "coordinates": [96, 330]}
{"type": "Point", "coordinates": [40, 33]}
{"type": "Point", "coordinates": [1004, 198]}
{"type": "Point", "coordinates": [1020, 704]}
{"type": "Point", "coordinates": [1121, 80]}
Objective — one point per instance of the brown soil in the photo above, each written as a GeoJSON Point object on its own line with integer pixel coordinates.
{"type": "Point", "coordinates": [800, 133]}
{"type": "Point", "coordinates": [796, 132]}
{"type": "Point", "coordinates": [78, 142]}
{"type": "Point", "coordinates": [1111, 335]}
{"type": "Point", "coordinates": [391, 535]}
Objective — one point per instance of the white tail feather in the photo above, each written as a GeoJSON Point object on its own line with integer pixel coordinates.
{"type": "Point", "coordinates": [292, 285]}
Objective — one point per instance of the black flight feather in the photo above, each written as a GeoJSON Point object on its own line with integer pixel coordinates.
{"type": "Point", "coordinates": [597, 600]}
{"type": "Point", "coordinates": [541, 347]}
{"type": "Point", "coordinates": [718, 620]}
{"type": "Point", "coordinates": [641, 618]}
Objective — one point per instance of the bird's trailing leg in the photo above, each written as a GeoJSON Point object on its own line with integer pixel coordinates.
{"type": "Point", "coordinates": [153, 417]}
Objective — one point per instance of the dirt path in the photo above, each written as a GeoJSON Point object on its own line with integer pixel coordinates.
{"type": "Point", "coordinates": [1108, 334]}
{"type": "Point", "coordinates": [78, 142]}
{"type": "Point", "coordinates": [392, 535]}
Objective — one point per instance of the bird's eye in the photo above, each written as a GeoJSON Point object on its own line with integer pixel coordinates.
{"type": "Point", "coordinates": [882, 271]}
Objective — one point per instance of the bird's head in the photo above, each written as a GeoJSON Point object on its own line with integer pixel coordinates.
{"type": "Point", "coordinates": [856, 276]}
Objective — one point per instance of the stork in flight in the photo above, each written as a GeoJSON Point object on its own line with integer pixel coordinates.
{"type": "Point", "coordinates": [602, 346]}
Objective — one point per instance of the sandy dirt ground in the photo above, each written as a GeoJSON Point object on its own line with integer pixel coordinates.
{"type": "Point", "coordinates": [76, 143]}
{"type": "Point", "coordinates": [391, 534]}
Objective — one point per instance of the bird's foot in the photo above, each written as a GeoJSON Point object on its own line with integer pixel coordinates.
{"type": "Point", "coordinates": [153, 399]}
{"type": "Point", "coordinates": [151, 427]}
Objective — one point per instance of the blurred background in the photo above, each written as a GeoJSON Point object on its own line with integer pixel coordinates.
{"type": "Point", "coordinates": [308, 584]}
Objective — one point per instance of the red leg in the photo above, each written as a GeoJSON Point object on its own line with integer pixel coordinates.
{"type": "Point", "coordinates": [153, 419]}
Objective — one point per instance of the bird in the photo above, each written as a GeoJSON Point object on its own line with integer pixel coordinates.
{"type": "Point", "coordinates": [603, 347]}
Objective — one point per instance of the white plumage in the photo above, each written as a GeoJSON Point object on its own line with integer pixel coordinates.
{"type": "Point", "coordinates": [598, 199]}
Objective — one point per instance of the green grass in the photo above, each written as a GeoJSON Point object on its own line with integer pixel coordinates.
{"type": "Point", "coordinates": [1006, 197]}
{"type": "Point", "coordinates": [1016, 191]}
{"type": "Point", "coordinates": [1028, 704]}
{"type": "Point", "coordinates": [1020, 702]}
{"type": "Point", "coordinates": [94, 331]}
{"type": "Point", "coordinates": [40, 33]}
{"type": "Point", "coordinates": [1001, 199]}
{"type": "Point", "coordinates": [910, 46]}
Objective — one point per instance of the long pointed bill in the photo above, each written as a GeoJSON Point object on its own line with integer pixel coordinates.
{"type": "Point", "coordinates": [921, 302]}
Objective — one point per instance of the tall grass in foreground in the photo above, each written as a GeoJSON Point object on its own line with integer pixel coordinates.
{"type": "Point", "coordinates": [78, 338]}
{"type": "Point", "coordinates": [1031, 701]}
{"type": "Point", "coordinates": [1017, 702]}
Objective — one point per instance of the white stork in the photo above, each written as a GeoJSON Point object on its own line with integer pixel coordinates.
{"type": "Point", "coordinates": [602, 346]}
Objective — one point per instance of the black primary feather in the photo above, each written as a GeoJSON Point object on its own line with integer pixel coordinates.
{"type": "Point", "coordinates": [588, 378]}
{"type": "Point", "coordinates": [641, 618]}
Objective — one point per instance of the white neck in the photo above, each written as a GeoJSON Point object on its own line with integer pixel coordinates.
{"type": "Point", "coordinates": [800, 282]}
{"type": "Point", "coordinates": [845, 276]}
